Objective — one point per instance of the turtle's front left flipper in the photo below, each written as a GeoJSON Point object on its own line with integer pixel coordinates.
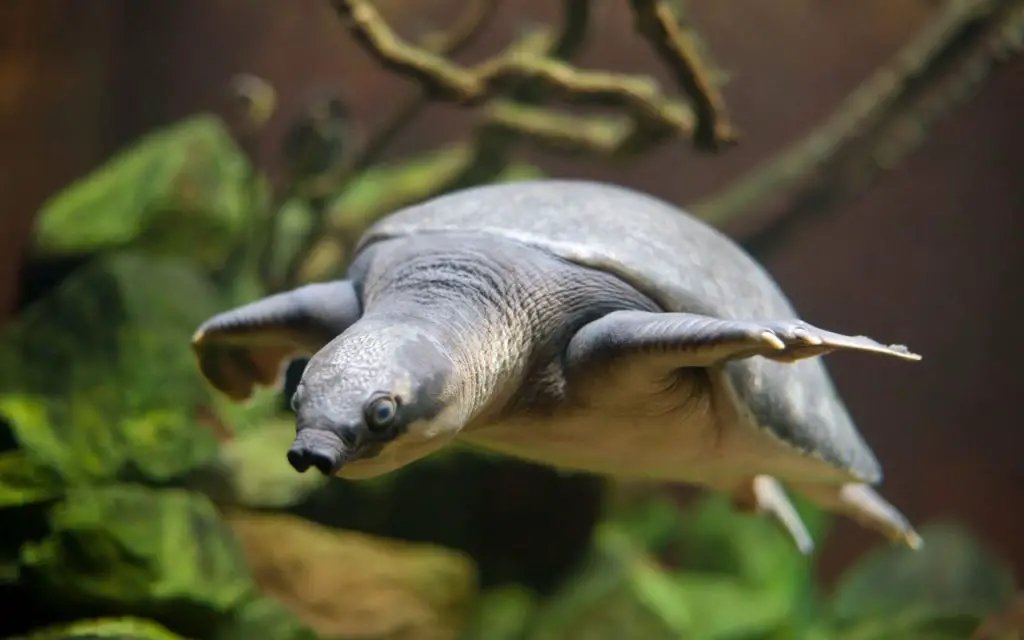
{"type": "Point", "coordinates": [249, 345]}
{"type": "Point", "coordinates": [675, 340]}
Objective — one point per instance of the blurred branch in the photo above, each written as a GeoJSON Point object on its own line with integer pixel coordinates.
{"type": "Point", "coordinates": [881, 122]}
{"type": "Point", "coordinates": [255, 103]}
{"type": "Point", "coordinates": [639, 96]}
{"type": "Point", "coordinates": [444, 42]}
{"type": "Point", "coordinates": [511, 87]}
{"type": "Point", "coordinates": [560, 131]}
{"type": "Point", "coordinates": [492, 144]}
{"type": "Point", "coordinates": [657, 22]}
{"type": "Point", "coordinates": [450, 42]}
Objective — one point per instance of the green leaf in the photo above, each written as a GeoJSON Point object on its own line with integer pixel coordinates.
{"type": "Point", "coordinates": [97, 378]}
{"type": "Point", "coordinates": [165, 554]}
{"type": "Point", "coordinates": [264, 617]}
{"type": "Point", "coordinates": [950, 584]}
{"type": "Point", "coordinates": [620, 593]}
{"type": "Point", "coordinates": [501, 614]}
{"type": "Point", "coordinates": [384, 187]}
{"type": "Point", "coordinates": [113, 628]}
{"type": "Point", "coordinates": [740, 574]}
{"type": "Point", "coordinates": [184, 189]}
{"type": "Point", "coordinates": [23, 481]}
{"type": "Point", "coordinates": [370, 194]}
{"type": "Point", "coordinates": [718, 538]}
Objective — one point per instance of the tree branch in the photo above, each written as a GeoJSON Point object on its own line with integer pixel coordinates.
{"type": "Point", "coordinates": [446, 42]}
{"type": "Point", "coordinates": [640, 96]}
{"type": "Point", "coordinates": [656, 21]}
{"type": "Point", "coordinates": [491, 145]}
{"type": "Point", "coordinates": [558, 131]}
{"type": "Point", "coordinates": [880, 122]}
{"type": "Point", "coordinates": [608, 137]}
{"type": "Point", "coordinates": [449, 42]}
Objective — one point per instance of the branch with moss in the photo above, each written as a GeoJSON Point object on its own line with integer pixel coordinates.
{"type": "Point", "coordinates": [449, 42]}
{"type": "Point", "coordinates": [881, 122]}
{"type": "Point", "coordinates": [659, 24]}
{"type": "Point", "coordinates": [488, 152]}
{"type": "Point", "coordinates": [640, 97]}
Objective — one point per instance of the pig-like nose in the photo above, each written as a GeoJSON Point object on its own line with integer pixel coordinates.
{"type": "Point", "coordinates": [316, 448]}
{"type": "Point", "coordinates": [302, 458]}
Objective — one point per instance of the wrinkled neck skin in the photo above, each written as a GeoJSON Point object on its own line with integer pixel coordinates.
{"type": "Point", "coordinates": [468, 302]}
{"type": "Point", "coordinates": [502, 312]}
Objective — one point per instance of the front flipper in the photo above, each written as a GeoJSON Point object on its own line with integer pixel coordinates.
{"type": "Point", "coordinates": [689, 340]}
{"type": "Point", "coordinates": [249, 345]}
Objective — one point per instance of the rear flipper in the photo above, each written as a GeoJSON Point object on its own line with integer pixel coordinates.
{"type": "Point", "coordinates": [765, 495]}
{"type": "Point", "coordinates": [863, 504]}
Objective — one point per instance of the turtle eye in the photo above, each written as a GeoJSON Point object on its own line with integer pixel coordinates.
{"type": "Point", "coordinates": [381, 412]}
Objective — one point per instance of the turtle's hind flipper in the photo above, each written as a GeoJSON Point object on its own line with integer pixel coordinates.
{"type": "Point", "coordinates": [860, 502]}
{"type": "Point", "coordinates": [765, 495]}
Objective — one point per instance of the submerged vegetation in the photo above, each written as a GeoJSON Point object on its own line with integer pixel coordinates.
{"type": "Point", "coordinates": [140, 504]}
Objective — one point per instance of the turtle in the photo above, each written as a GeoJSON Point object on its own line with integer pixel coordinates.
{"type": "Point", "coordinates": [572, 323]}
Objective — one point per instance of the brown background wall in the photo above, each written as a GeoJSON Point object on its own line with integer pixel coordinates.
{"type": "Point", "coordinates": [929, 256]}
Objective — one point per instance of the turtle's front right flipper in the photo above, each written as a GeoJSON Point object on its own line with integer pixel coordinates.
{"type": "Point", "coordinates": [676, 340]}
{"type": "Point", "coordinates": [250, 345]}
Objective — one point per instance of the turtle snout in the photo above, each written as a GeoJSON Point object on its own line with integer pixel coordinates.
{"type": "Point", "coordinates": [302, 458]}
{"type": "Point", "coordinates": [316, 448]}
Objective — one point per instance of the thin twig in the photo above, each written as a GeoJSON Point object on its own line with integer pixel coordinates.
{"type": "Point", "coordinates": [656, 21]}
{"type": "Point", "coordinates": [868, 132]}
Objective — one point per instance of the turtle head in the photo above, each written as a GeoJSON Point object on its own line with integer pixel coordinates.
{"type": "Point", "coordinates": [372, 400]}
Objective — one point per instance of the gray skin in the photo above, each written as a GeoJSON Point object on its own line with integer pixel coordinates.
{"type": "Point", "coordinates": [575, 324]}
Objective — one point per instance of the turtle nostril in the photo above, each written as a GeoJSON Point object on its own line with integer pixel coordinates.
{"type": "Point", "coordinates": [299, 459]}
{"type": "Point", "coordinates": [323, 463]}
{"type": "Point", "coordinates": [302, 458]}
{"type": "Point", "coordinates": [317, 448]}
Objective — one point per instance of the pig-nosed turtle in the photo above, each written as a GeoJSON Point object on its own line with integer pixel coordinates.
{"type": "Point", "coordinates": [577, 324]}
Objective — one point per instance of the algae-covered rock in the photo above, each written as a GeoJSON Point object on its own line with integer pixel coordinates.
{"type": "Point", "coordinates": [97, 379]}
{"type": "Point", "coordinates": [112, 628]}
{"type": "Point", "coordinates": [184, 190]}
{"type": "Point", "coordinates": [24, 481]}
{"type": "Point", "coordinates": [945, 590]}
{"type": "Point", "coordinates": [164, 554]}
{"type": "Point", "coordinates": [350, 585]}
